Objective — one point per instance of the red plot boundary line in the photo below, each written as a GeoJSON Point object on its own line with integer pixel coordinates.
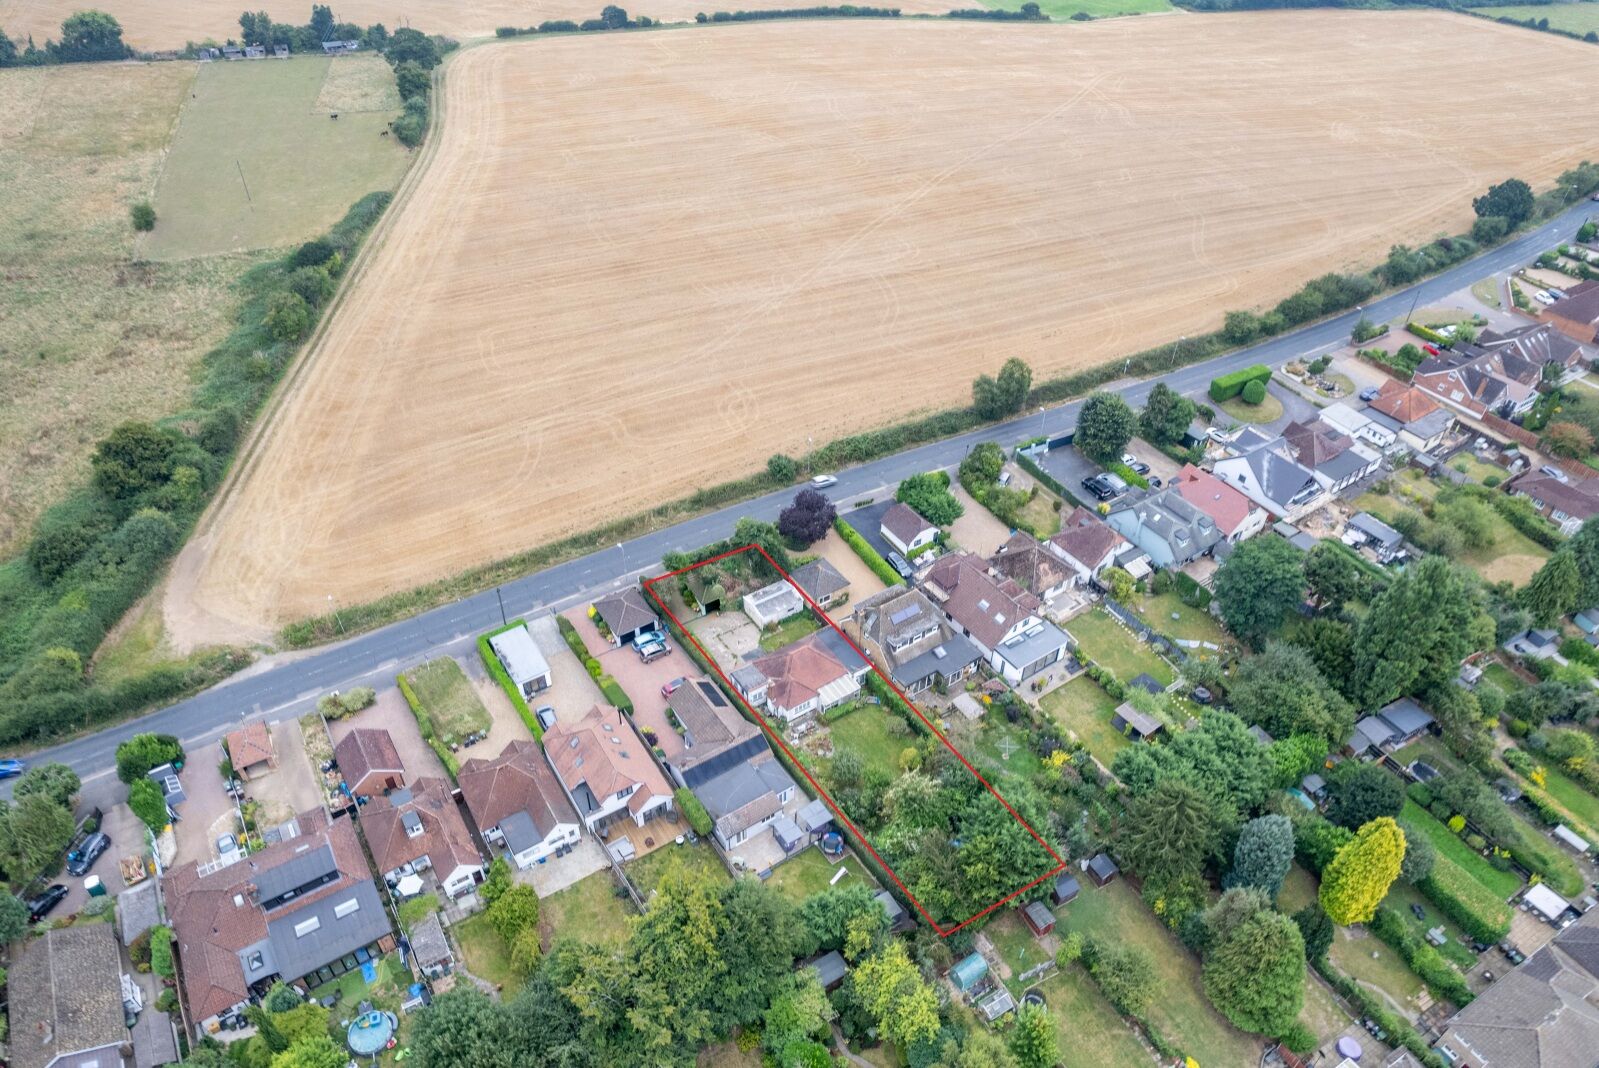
{"type": "Point", "coordinates": [1060, 864]}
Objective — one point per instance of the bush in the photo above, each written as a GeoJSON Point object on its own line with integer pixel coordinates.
{"type": "Point", "coordinates": [615, 694]}
{"type": "Point", "coordinates": [693, 811]}
{"type": "Point", "coordinates": [1466, 901]}
{"type": "Point", "coordinates": [1228, 386]}
{"type": "Point", "coordinates": [347, 702]}
{"type": "Point", "coordinates": [1440, 976]}
{"type": "Point", "coordinates": [161, 951]}
{"type": "Point", "coordinates": [864, 550]}
{"type": "Point", "coordinates": [496, 671]}
{"type": "Point", "coordinates": [1427, 333]}
{"type": "Point", "coordinates": [1254, 392]}
{"type": "Point", "coordinates": [142, 215]}
{"type": "Point", "coordinates": [139, 754]}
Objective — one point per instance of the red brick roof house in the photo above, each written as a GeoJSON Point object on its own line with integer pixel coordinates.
{"type": "Point", "coordinates": [1567, 504]}
{"type": "Point", "coordinates": [1086, 544]}
{"type": "Point", "coordinates": [806, 677]}
{"type": "Point", "coordinates": [1577, 314]}
{"type": "Point", "coordinates": [250, 750]}
{"type": "Point", "coordinates": [419, 828]}
{"type": "Point", "coordinates": [606, 771]}
{"type": "Point", "coordinates": [369, 762]}
{"type": "Point", "coordinates": [1235, 515]}
{"type": "Point", "coordinates": [517, 802]}
{"type": "Point", "coordinates": [297, 910]}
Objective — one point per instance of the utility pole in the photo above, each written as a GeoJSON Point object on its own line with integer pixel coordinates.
{"type": "Point", "coordinates": [497, 597]}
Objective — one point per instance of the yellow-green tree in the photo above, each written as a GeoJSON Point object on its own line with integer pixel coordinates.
{"type": "Point", "coordinates": [899, 999]}
{"type": "Point", "coordinates": [1360, 874]}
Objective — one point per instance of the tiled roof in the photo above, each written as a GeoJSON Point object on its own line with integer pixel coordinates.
{"type": "Point", "coordinates": [518, 780]}
{"type": "Point", "coordinates": [1086, 538]}
{"type": "Point", "coordinates": [902, 521]}
{"type": "Point", "coordinates": [797, 672]}
{"type": "Point", "coordinates": [978, 602]}
{"type": "Point", "coordinates": [365, 751]}
{"type": "Point", "coordinates": [1226, 507]}
{"type": "Point", "coordinates": [1580, 306]}
{"type": "Point", "coordinates": [250, 744]}
{"type": "Point", "coordinates": [625, 611]}
{"type": "Point", "coordinates": [1403, 402]}
{"type": "Point", "coordinates": [65, 996]}
{"type": "Point", "coordinates": [710, 722]}
{"type": "Point", "coordinates": [1579, 498]}
{"type": "Point", "coordinates": [819, 579]}
{"type": "Point", "coordinates": [444, 838]}
{"type": "Point", "coordinates": [603, 752]}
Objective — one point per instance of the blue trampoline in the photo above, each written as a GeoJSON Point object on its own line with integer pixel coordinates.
{"type": "Point", "coordinates": [371, 1032]}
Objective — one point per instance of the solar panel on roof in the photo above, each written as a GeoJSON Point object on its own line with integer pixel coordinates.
{"type": "Point", "coordinates": [903, 614]}
{"type": "Point", "coordinates": [713, 695]}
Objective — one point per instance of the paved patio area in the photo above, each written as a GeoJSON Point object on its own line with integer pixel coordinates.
{"type": "Point", "coordinates": [572, 693]}
{"type": "Point", "coordinates": [393, 715]}
{"type": "Point", "coordinates": [558, 873]}
{"type": "Point", "coordinates": [729, 638]}
{"type": "Point", "coordinates": [761, 852]}
{"type": "Point", "coordinates": [291, 787]}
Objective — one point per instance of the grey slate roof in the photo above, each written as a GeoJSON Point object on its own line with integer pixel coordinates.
{"type": "Point", "coordinates": [65, 995]}
{"type": "Point", "coordinates": [819, 579]}
{"type": "Point", "coordinates": [787, 832]}
{"type": "Point", "coordinates": [1370, 733]}
{"type": "Point", "coordinates": [949, 657]}
{"type": "Point", "coordinates": [814, 817]}
{"type": "Point", "coordinates": [1543, 1014]}
{"type": "Point", "coordinates": [1405, 716]}
{"type": "Point", "coordinates": [335, 936]}
{"type": "Point", "coordinates": [830, 968]}
{"type": "Point", "coordinates": [1170, 518]}
{"type": "Point", "coordinates": [729, 795]}
{"type": "Point", "coordinates": [1066, 887]}
{"type": "Point", "coordinates": [1376, 529]}
{"type": "Point", "coordinates": [626, 611]}
{"type": "Point", "coordinates": [428, 943]}
{"type": "Point", "coordinates": [1033, 644]}
{"type": "Point", "coordinates": [1343, 465]}
{"type": "Point", "coordinates": [153, 1043]}
{"type": "Point", "coordinates": [1102, 866]}
{"type": "Point", "coordinates": [1281, 479]}
{"type": "Point", "coordinates": [137, 911]}
{"type": "Point", "coordinates": [891, 907]}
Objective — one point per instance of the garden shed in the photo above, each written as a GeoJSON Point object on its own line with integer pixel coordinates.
{"type": "Point", "coordinates": [1129, 721]}
{"type": "Point", "coordinates": [1568, 837]}
{"type": "Point", "coordinates": [1066, 889]}
{"type": "Point", "coordinates": [967, 973]}
{"type": "Point", "coordinates": [1102, 869]}
{"type": "Point", "coordinates": [1039, 918]}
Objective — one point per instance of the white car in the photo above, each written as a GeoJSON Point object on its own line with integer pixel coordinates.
{"type": "Point", "coordinates": [1129, 459]}
{"type": "Point", "coordinates": [1543, 297]}
{"type": "Point", "coordinates": [823, 481]}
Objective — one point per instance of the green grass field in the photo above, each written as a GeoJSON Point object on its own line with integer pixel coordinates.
{"type": "Point", "coordinates": [1501, 883]}
{"type": "Point", "coordinates": [1110, 645]}
{"type": "Point", "coordinates": [1191, 624]}
{"type": "Point", "coordinates": [1042, 514]}
{"type": "Point", "coordinates": [1085, 709]}
{"type": "Point", "coordinates": [258, 161]}
{"type": "Point", "coordinates": [587, 911]}
{"type": "Point", "coordinates": [1503, 677]}
{"type": "Point", "coordinates": [1065, 9]}
{"type": "Point", "coordinates": [447, 698]}
{"type": "Point", "coordinates": [790, 630]}
{"type": "Point", "coordinates": [1181, 1010]}
{"type": "Point", "coordinates": [810, 873]}
{"type": "Point", "coordinates": [486, 953]}
{"type": "Point", "coordinates": [647, 870]}
{"type": "Point", "coordinates": [865, 733]}
{"type": "Point", "coordinates": [1576, 18]}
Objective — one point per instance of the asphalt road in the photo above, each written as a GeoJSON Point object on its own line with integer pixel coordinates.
{"type": "Point", "coordinates": [287, 685]}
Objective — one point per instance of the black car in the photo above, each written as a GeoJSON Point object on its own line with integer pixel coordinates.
{"type": "Point", "coordinates": [1139, 467]}
{"type": "Point", "coordinates": [39, 907]}
{"type": "Point", "coordinates": [81, 859]}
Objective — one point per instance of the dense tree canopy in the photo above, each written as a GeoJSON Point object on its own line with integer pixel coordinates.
{"type": "Point", "coordinates": [1219, 757]}
{"type": "Point", "coordinates": [1258, 586]}
{"type": "Point", "coordinates": [1169, 833]}
{"type": "Point", "coordinates": [90, 36]}
{"type": "Point", "coordinates": [1555, 590]}
{"type": "Point", "coordinates": [1264, 853]}
{"type": "Point", "coordinates": [1333, 576]}
{"type": "Point", "coordinates": [1104, 427]}
{"type": "Point", "coordinates": [1418, 631]}
{"type": "Point", "coordinates": [1256, 975]}
{"type": "Point", "coordinates": [1283, 691]}
{"type": "Point", "coordinates": [56, 781]}
{"type": "Point", "coordinates": [1359, 793]}
{"type": "Point", "coordinates": [808, 519]}
{"type": "Point", "coordinates": [1511, 200]}
{"type": "Point", "coordinates": [929, 495]}
{"type": "Point", "coordinates": [1166, 417]}
{"type": "Point", "coordinates": [1358, 878]}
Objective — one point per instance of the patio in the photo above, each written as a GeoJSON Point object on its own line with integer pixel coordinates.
{"type": "Point", "coordinates": [646, 839]}
{"type": "Point", "coordinates": [727, 637]}
{"type": "Point", "coordinates": [558, 873]}
{"type": "Point", "coordinates": [761, 852]}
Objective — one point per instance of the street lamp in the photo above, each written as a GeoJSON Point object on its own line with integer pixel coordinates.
{"type": "Point", "coordinates": [623, 549]}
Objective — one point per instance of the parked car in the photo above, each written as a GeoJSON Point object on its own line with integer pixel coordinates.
{"type": "Point", "coordinates": [226, 844]}
{"type": "Point", "coordinates": [1098, 488]}
{"type": "Point", "coordinates": [10, 769]}
{"type": "Point", "coordinates": [40, 907]}
{"type": "Point", "coordinates": [1139, 467]}
{"type": "Point", "coordinates": [1370, 393]}
{"type": "Point", "coordinates": [670, 688]}
{"type": "Point", "coordinates": [1432, 349]}
{"type": "Point", "coordinates": [81, 859]}
{"type": "Point", "coordinates": [546, 715]}
{"type": "Point", "coordinates": [901, 566]}
{"type": "Point", "coordinates": [823, 481]}
{"type": "Point", "coordinates": [1553, 472]}
{"type": "Point", "coordinates": [1542, 297]}
{"type": "Point", "coordinates": [654, 649]}
{"type": "Point", "coordinates": [1155, 482]}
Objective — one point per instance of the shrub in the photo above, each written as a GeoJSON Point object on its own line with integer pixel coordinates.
{"type": "Point", "coordinates": [1228, 386]}
{"type": "Point", "coordinates": [142, 215]}
{"type": "Point", "coordinates": [139, 754]}
{"type": "Point", "coordinates": [1466, 901]}
{"type": "Point", "coordinates": [161, 951]}
{"type": "Point", "coordinates": [615, 694]}
{"type": "Point", "coordinates": [1427, 333]}
{"type": "Point", "coordinates": [872, 558]}
{"type": "Point", "coordinates": [693, 811]}
{"type": "Point", "coordinates": [1254, 392]}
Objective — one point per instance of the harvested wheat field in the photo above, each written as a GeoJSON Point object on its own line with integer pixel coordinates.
{"type": "Point", "coordinates": [158, 24]}
{"type": "Point", "coordinates": [641, 264]}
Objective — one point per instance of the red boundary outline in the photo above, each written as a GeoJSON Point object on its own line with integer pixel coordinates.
{"type": "Point", "coordinates": [1060, 865]}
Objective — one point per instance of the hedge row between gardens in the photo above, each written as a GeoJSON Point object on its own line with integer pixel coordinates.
{"type": "Point", "coordinates": [864, 550]}
{"type": "Point", "coordinates": [497, 672]}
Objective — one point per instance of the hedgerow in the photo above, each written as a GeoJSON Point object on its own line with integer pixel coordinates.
{"type": "Point", "coordinates": [863, 549]}
{"type": "Point", "coordinates": [1228, 386]}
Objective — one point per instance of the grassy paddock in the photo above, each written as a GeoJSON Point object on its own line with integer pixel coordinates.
{"type": "Point", "coordinates": [1065, 9]}
{"type": "Point", "coordinates": [1085, 709]}
{"type": "Point", "coordinates": [1574, 18]}
{"type": "Point", "coordinates": [587, 911]}
{"type": "Point", "coordinates": [250, 165]}
{"type": "Point", "coordinates": [447, 697]}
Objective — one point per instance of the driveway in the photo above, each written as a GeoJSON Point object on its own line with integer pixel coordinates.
{"type": "Point", "coordinates": [209, 811]}
{"type": "Point", "coordinates": [127, 840]}
{"type": "Point", "coordinates": [642, 682]}
{"type": "Point", "coordinates": [976, 530]}
{"type": "Point", "coordinates": [505, 725]}
{"type": "Point", "coordinates": [1161, 466]}
{"type": "Point", "coordinates": [862, 582]}
{"type": "Point", "coordinates": [571, 693]}
{"type": "Point", "coordinates": [393, 715]}
{"type": "Point", "coordinates": [1069, 467]}
{"type": "Point", "coordinates": [868, 522]}
{"type": "Point", "coordinates": [291, 788]}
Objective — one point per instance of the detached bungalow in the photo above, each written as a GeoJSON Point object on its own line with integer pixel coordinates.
{"type": "Point", "coordinates": [519, 805]}
{"type": "Point", "coordinates": [1566, 502]}
{"type": "Point", "coordinates": [904, 528]}
{"type": "Point", "coordinates": [1271, 478]}
{"type": "Point", "coordinates": [1577, 314]}
{"type": "Point", "coordinates": [822, 582]}
{"type": "Point", "coordinates": [908, 637]}
{"type": "Point", "coordinates": [1420, 423]}
{"type": "Point", "coordinates": [1086, 544]}
{"type": "Point", "coordinates": [626, 614]}
{"type": "Point", "coordinates": [804, 678]}
{"type": "Point", "coordinates": [1025, 561]}
{"type": "Point", "coordinates": [369, 762]}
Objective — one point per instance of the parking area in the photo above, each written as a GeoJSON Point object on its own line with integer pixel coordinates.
{"type": "Point", "coordinates": [862, 582]}
{"type": "Point", "coordinates": [642, 682]}
{"type": "Point", "coordinates": [290, 788]}
{"type": "Point", "coordinates": [393, 715]}
{"type": "Point", "coordinates": [977, 530]}
{"type": "Point", "coordinates": [868, 523]}
{"type": "Point", "coordinates": [127, 839]}
{"type": "Point", "coordinates": [505, 725]}
{"type": "Point", "coordinates": [1069, 467]}
{"type": "Point", "coordinates": [571, 693]}
{"type": "Point", "coordinates": [1161, 466]}
{"type": "Point", "coordinates": [729, 637]}
{"type": "Point", "coordinates": [208, 810]}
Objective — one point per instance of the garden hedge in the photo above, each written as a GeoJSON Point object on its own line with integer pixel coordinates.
{"type": "Point", "coordinates": [1441, 977]}
{"type": "Point", "coordinates": [615, 694]}
{"type": "Point", "coordinates": [497, 673]}
{"type": "Point", "coordinates": [424, 723]}
{"type": "Point", "coordinates": [1228, 386]}
{"type": "Point", "coordinates": [1427, 333]}
{"type": "Point", "coordinates": [1466, 901]}
{"type": "Point", "coordinates": [1047, 480]}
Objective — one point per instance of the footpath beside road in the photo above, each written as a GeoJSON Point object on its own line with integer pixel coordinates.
{"type": "Point", "coordinates": [288, 684]}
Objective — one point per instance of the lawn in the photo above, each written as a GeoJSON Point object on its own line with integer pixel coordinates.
{"type": "Point", "coordinates": [864, 732]}
{"type": "Point", "coordinates": [1428, 749]}
{"type": "Point", "coordinates": [1042, 513]}
{"type": "Point", "coordinates": [1487, 291]}
{"type": "Point", "coordinates": [996, 747]}
{"type": "Point", "coordinates": [249, 164]}
{"type": "Point", "coordinates": [789, 630]}
{"type": "Point", "coordinates": [1110, 645]}
{"type": "Point", "coordinates": [1458, 949]}
{"type": "Point", "coordinates": [1085, 709]}
{"type": "Point", "coordinates": [486, 953]}
{"type": "Point", "coordinates": [1241, 411]}
{"type": "Point", "coordinates": [1065, 9]}
{"type": "Point", "coordinates": [445, 696]}
{"type": "Point", "coordinates": [1370, 962]}
{"type": "Point", "coordinates": [1190, 624]}
{"type": "Point", "coordinates": [1501, 883]}
{"type": "Point", "coordinates": [1477, 470]}
{"type": "Point", "coordinates": [1503, 677]}
{"type": "Point", "coordinates": [1181, 1010]}
{"type": "Point", "coordinates": [1299, 890]}
{"type": "Point", "coordinates": [1568, 795]}
{"type": "Point", "coordinates": [587, 911]}
{"type": "Point", "coordinates": [1512, 556]}
{"type": "Point", "coordinates": [646, 871]}
{"type": "Point", "coordinates": [1577, 18]}
{"type": "Point", "coordinates": [811, 872]}
{"type": "Point", "coordinates": [415, 909]}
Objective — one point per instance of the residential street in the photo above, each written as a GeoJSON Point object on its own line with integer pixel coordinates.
{"type": "Point", "coordinates": [286, 685]}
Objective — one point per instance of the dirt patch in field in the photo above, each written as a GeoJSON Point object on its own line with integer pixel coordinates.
{"type": "Point", "coordinates": [156, 24]}
{"type": "Point", "coordinates": [606, 291]}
